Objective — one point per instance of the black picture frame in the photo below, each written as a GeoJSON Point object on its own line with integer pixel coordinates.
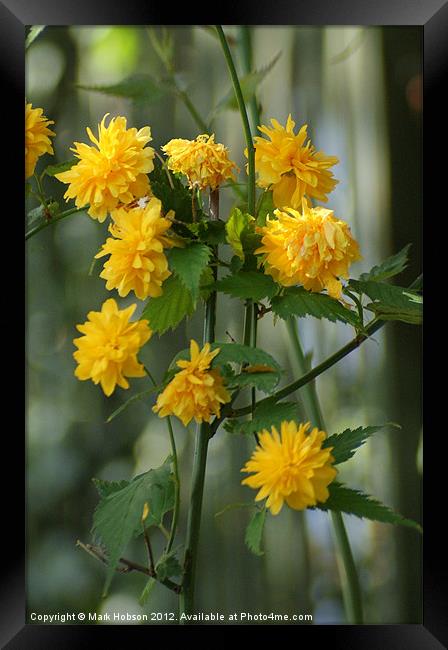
{"type": "Point", "coordinates": [432, 16]}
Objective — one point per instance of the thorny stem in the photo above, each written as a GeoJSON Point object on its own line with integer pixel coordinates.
{"type": "Point", "coordinates": [187, 604]}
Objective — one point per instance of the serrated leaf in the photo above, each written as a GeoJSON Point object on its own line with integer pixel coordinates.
{"type": "Point", "coordinates": [34, 32]}
{"type": "Point", "coordinates": [52, 170]}
{"type": "Point", "coordinates": [265, 416]}
{"type": "Point", "coordinates": [254, 532]}
{"type": "Point", "coordinates": [173, 195]}
{"type": "Point", "coordinates": [249, 84]}
{"type": "Point", "coordinates": [189, 263]}
{"type": "Point", "coordinates": [140, 88]}
{"type": "Point", "coordinates": [391, 302]}
{"type": "Point", "coordinates": [346, 443]}
{"type": "Point", "coordinates": [297, 301]}
{"type": "Point", "coordinates": [147, 591]}
{"type": "Point", "coordinates": [354, 502]}
{"type": "Point", "coordinates": [209, 232]}
{"type": "Point", "coordinates": [106, 488]}
{"type": "Point", "coordinates": [38, 214]}
{"type": "Point", "coordinates": [206, 283]}
{"type": "Point", "coordinates": [168, 566]}
{"type": "Point", "coordinates": [241, 354]}
{"type": "Point", "coordinates": [238, 224]}
{"type": "Point", "coordinates": [265, 381]}
{"type": "Point", "coordinates": [389, 268]}
{"type": "Point", "coordinates": [169, 309]}
{"type": "Point", "coordinates": [118, 516]}
{"type": "Point", "coordinates": [248, 284]}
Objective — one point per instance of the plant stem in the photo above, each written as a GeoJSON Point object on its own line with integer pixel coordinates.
{"type": "Point", "coordinates": [245, 40]}
{"type": "Point", "coordinates": [187, 604]}
{"type": "Point", "coordinates": [176, 475]}
{"type": "Point", "coordinates": [53, 220]}
{"type": "Point", "coordinates": [347, 569]}
{"type": "Point", "coordinates": [244, 118]}
{"type": "Point", "coordinates": [374, 325]}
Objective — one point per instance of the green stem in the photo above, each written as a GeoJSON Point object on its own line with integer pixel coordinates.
{"type": "Point", "coordinates": [52, 221]}
{"type": "Point", "coordinates": [245, 40]}
{"type": "Point", "coordinates": [176, 508]}
{"type": "Point", "coordinates": [347, 569]}
{"type": "Point", "coordinates": [244, 118]}
{"type": "Point", "coordinates": [187, 603]}
{"type": "Point", "coordinates": [374, 325]}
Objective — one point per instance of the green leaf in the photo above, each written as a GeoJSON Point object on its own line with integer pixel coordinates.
{"type": "Point", "coordinates": [105, 488]}
{"type": "Point", "coordinates": [52, 170]}
{"type": "Point", "coordinates": [297, 301]}
{"type": "Point", "coordinates": [34, 32]}
{"type": "Point", "coordinates": [38, 214]}
{"type": "Point", "coordinates": [242, 354]}
{"type": "Point", "coordinates": [266, 416]}
{"type": "Point", "coordinates": [346, 443]}
{"type": "Point", "coordinates": [391, 302]}
{"type": "Point", "coordinates": [130, 401]}
{"type": "Point", "coordinates": [118, 516]}
{"type": "Point", "coordinates": [238, 224]}
{"type": "Point", "coordinates": [141, 88]}
{"type": "Point", "coordinates": [389, 268]}
{"type": "Point", "coordinates": [206, 283]}
{"type": "Point", "coordinates": [248, 284]}
{"type": "Point", "coordinates": [210, 232]}
{"type": "Point", "coordinates": [147, 591]}
{"type": "Point", "coordinates": [265, 381]}
{"type": "Point", "coordinates": [176, 198]}
{"type": "Point", "coordinates": [249, 84]}
{"type": "Point", "coordinates": [188, 263]}
{"type": "Point", "coordinates": [254, 532]}
{"type": "Point", "coordinates": [266, 207]}
{"type": "Point", "coordinates": [169, 309]}
{"type": "Point", "coordinates": [354, 502]}
{"type": "Point", "coordinates": [168, 566]}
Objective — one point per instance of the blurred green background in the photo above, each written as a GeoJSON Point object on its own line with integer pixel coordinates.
{"type": "Point", "coordinates": [359, 89]}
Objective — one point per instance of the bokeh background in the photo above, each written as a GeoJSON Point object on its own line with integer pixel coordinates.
{"type": "Point", "coordinates": [359, 89]}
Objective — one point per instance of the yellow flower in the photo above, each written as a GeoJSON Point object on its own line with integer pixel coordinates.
{"type": "Point", "coordinates": [37, 142]}
{"type": "Point", "coordinates": [203, 161]}
{"type": "Point", "coordinates": [195, 391]}
{"type": "Point", "coordinates": [311, 248]}
{"type": "Point", "coordinates": [111, 172]}
{"type": "Point", "coordinates": [137, 262]}
{"type": "Point", "coordinates": [292, 167]}
{"type": "Point", "coordinates": [290, 466]}
{"type": "Point", "coordinates": [107, 353]}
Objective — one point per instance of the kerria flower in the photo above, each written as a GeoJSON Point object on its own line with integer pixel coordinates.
{"type": "Point", "coordinates": [291, 467]}
{"type": "Point", "coordinates": [37, 140]}
{"type": "Point", "coordinates": [312, 248]}
{"type": "Point", "coordinates": [111, 172]}
{"type": "Point", "coordinates": [137, 260]}
{"type": "Point", "coordinates": [195, 391]}
{"type": "Point", "coordinates": [107, 353]}
{"type": "Point", "coordinates": [291, 165]}
{"type": "Point", "coordinates": [203, 161]}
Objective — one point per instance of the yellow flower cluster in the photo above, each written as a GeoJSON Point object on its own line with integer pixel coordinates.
{"type": "Point", "coordinates": [291, 467]}
{"type": "Point", "coordinates": [111, 172]}
{"type": "Point", "coordinates": [107, 351]}
{"type": "Point", "coordinates": [203, 161]}
{"type": "Point", "coordinates": [195, 391]}
{"type": "Point", "coordinates": [37, 137]}
{"type": "Point", "coordinates": [291, 165]}
{"type": "Point", "coordinates": [311, 248]}
{"type": "Point", "coordinates": [137, 261]}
